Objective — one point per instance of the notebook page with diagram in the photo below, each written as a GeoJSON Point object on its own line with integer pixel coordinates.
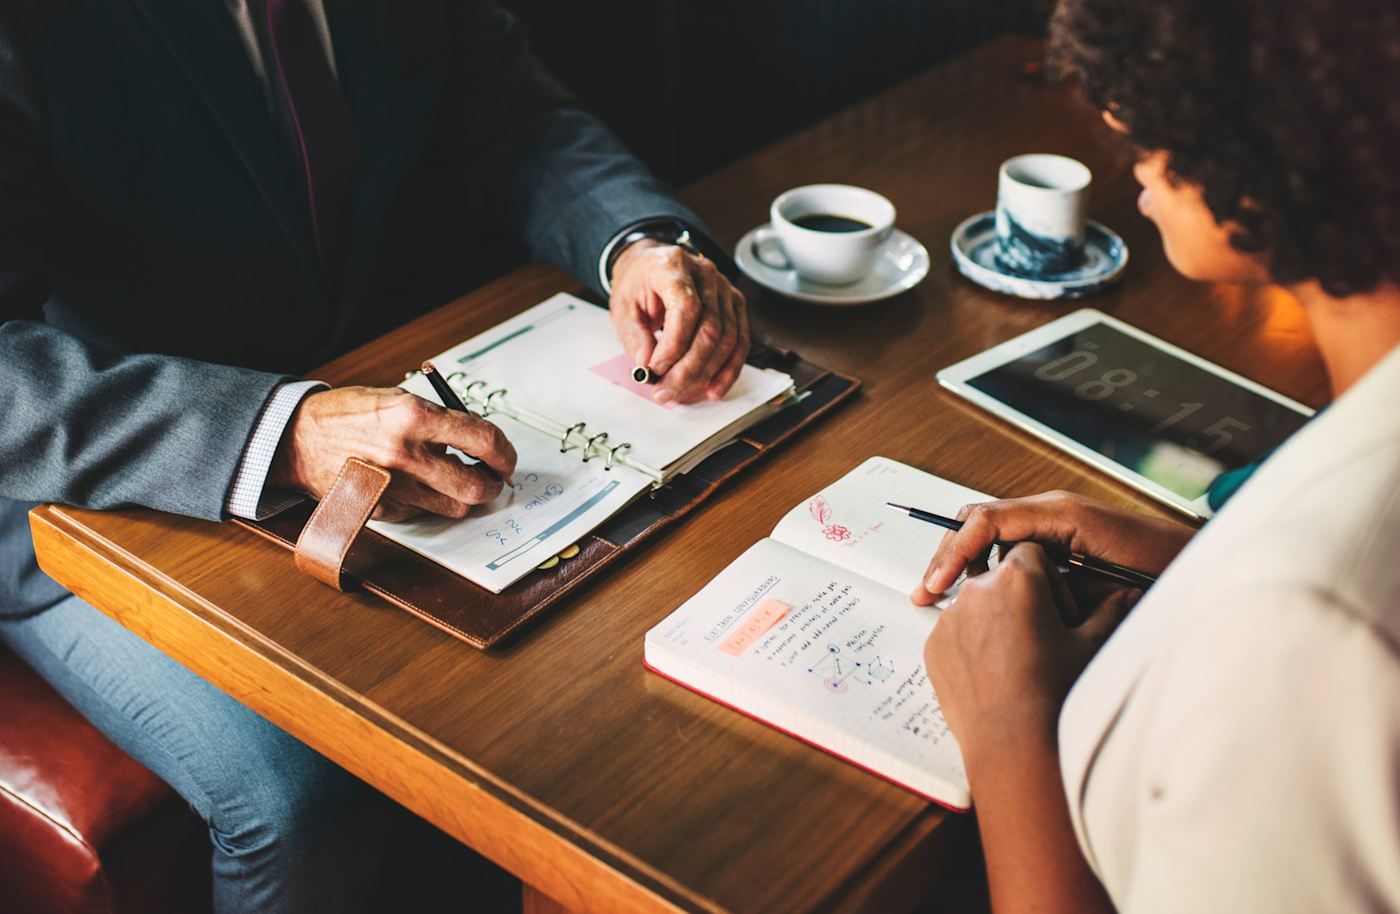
{"type": "Point", "coordinates": [812, 631]}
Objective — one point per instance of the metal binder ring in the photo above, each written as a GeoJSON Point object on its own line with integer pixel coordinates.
{"type": "Point", "coordinates": [612, 452]}
{"type": "Point", "coordinates": [486, 404]}
{"type": "Point", "coordinates": [588, 448]}
{"type": "Point", "coordinates": [564, 438]}
{"type": "Point", "coordinates": [467, 393]}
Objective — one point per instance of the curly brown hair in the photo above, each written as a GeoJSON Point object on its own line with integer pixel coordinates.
{"type": "Point", "coordinates": [1286, 113]}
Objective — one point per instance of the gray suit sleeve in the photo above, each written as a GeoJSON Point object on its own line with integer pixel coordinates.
{"type": "Point", "coordinates": [563, 182]}
{"type": "Point", "coordinates": [85, 423]}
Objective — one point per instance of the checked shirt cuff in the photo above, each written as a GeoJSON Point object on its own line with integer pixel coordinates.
{"type": "Point", "coordinates": [247, 499]}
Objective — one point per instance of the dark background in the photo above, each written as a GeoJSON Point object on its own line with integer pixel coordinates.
{"type": "Point", "coordinates": [692, 86]}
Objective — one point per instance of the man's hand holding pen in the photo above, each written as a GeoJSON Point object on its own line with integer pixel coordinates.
{"type": "Point", "coordinates": [702, 318]}
{"type": "Point", "coordinates": [403, 433]}
{"type": "Point", "coordinates": [704, 339]}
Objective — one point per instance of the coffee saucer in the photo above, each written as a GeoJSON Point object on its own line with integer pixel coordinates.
{"type": "Point", "coordinates": [974, 247]}
{"type": "Point", "coordinates": [900, 264]}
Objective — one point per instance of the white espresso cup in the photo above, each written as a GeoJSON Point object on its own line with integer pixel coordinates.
{"type": "Point", "coordinates": [827, 233]}
{"type": "Point", "coordinates": [1042, 202]}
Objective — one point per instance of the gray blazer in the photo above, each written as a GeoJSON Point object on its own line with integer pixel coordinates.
{"type": "Point", "coordinates": [157, 278]}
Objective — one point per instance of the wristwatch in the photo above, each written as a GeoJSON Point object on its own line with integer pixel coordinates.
{"type": "Point", "coordinates": [666, 231]}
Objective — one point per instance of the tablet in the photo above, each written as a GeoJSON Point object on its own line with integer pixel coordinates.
{"type": "Point", "coordinates": [1149, 414]}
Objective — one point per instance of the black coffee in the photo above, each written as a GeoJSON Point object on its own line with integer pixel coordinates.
{"type": "Point", "coordinates": [825, 222]}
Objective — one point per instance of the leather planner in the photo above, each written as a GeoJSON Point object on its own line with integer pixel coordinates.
{"type": "Point", "coordinates": [334, 530]}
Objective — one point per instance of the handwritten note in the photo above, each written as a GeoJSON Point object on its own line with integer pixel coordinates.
{"type": "Point", "coordinates": [847, 522]}
{"type": "Point", "coordinates": [555, 500]}
{"type": "Point", "coordinates": [763, 618]}
{"type": "Point", "coordinates": [830, 655]}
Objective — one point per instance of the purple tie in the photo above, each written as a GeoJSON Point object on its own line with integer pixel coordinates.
{"type": "Point", "coordinates": [325, 132]}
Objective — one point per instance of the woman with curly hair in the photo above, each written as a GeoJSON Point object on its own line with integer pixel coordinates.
{"type": "Point", "coordinates": [1234, 744]}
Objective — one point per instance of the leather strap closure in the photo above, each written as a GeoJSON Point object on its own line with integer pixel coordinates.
{"type": "Point", "coordinates": [338, 519]}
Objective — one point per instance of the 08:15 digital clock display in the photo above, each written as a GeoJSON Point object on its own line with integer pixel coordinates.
{"type": "Point", "coordinates": [1170, 420]}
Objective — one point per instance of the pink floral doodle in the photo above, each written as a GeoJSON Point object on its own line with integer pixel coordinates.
{"type": "Point", "coordinates": [819, 509]}
{"type": "Point", "coordinates": [836, 533]}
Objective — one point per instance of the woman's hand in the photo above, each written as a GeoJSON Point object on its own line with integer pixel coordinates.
{"type": "Point", "coordinates": [1127, 538]}
{"type": "Point", "coordinates": [1002, 658]}
{"type": "Point", "coordinates": [1007, 651]}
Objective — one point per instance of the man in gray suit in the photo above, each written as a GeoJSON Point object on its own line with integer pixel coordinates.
{"type": "Point", "coordinates": [199, 200]}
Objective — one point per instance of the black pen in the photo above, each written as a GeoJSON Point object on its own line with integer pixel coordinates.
{"type": "Point", "coordinates": [1058, 554]}
{"type": "Point", "coordinates": [449, 399]}
{"type": "Point", "coordinates": [446, 394]}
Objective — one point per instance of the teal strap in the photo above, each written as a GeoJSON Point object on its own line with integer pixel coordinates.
{"type": "Point", "coordinates": [1228, 483]}
{"type": "Point", "coordinates": [1224, 486]}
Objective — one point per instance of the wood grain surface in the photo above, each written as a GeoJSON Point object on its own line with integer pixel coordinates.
{"type": "Point", "coordinates": [559, 756]}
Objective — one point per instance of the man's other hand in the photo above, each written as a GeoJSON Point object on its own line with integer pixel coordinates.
{"type": "Point", "coordinates": [703, 320]}
{"type": "Point", "coordinates": [403, 433]}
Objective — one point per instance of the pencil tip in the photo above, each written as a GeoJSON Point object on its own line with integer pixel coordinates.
{"type": "Point", "coordinates": [894, 507]}
{"type": "Point", "coordinates": [428, 368]}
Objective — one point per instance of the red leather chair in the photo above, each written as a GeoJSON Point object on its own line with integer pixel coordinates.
{"type": "Point", "coordinates": [83, 827]}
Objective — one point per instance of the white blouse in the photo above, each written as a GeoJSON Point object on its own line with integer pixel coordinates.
{"type": "Point", "coordinates": [1235, 746]}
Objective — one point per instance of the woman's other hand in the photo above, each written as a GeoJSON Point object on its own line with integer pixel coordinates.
{"type": "Point", "coordinates": [1002, 657]}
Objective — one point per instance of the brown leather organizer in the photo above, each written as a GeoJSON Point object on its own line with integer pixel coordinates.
{"type": "Point", "coordinates": [459, 607]}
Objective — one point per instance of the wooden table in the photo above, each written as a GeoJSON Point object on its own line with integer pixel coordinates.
{"type": "Point", "coordinates": [559, 757]}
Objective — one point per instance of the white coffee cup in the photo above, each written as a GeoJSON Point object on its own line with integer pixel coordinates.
{"type": "Point", "coordinates": [845, 227]}
{"type": "Point", "coordinates": [1042, 203]}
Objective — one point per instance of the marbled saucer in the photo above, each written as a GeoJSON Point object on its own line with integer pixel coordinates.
{"type": "Point", "coordinates": [974, 245]}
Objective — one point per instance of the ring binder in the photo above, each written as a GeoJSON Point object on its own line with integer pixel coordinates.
{"type": "Point", "coordinates": [564, 438]}
{"type": "Point", "coordinates": [612, 452]}
{"type": "Point", "coordinates": [588, 448]}
{"type": "Point", "coordinates": [442, 593]}
{"type": "Point", "coordinates": [486, 404]}
{"type": "Point", "coordinates": [570, 437]}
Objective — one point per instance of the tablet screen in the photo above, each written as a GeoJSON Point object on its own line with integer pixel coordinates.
{"type": "Point", "coordinates": [1169, 420]}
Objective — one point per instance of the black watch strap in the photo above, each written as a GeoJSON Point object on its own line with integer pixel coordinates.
{"type": "Point", "coordinates": [666, 231]}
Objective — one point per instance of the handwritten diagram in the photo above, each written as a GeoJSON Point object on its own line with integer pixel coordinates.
{"type": "Point", "coordinates": [838, 671]}
{"type": "Point", "coordinates": [834, 669]}
{"type": "Point", "coordinates": [880, 669]}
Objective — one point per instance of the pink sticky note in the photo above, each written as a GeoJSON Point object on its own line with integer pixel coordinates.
{"type": "Point", "coordinates": [763, 618]}
{"type": "Point", "coordinates": [619, 371]}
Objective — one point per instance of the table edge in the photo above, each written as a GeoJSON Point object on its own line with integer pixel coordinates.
{"type": "Point", "coordinates": [553, 853]}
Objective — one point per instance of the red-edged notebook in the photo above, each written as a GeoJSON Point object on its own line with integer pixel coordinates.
{"type": "Point", "coordinates": [811, 630]}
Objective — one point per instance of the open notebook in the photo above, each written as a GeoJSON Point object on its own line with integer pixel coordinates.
{"type": "Point", "coordinates": [589, 439]}
{"type": "Point", "coordinates": [811, 630]}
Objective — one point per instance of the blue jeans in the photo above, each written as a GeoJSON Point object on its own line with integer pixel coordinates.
{"type": "Point", "coordinates": [292, 832]}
